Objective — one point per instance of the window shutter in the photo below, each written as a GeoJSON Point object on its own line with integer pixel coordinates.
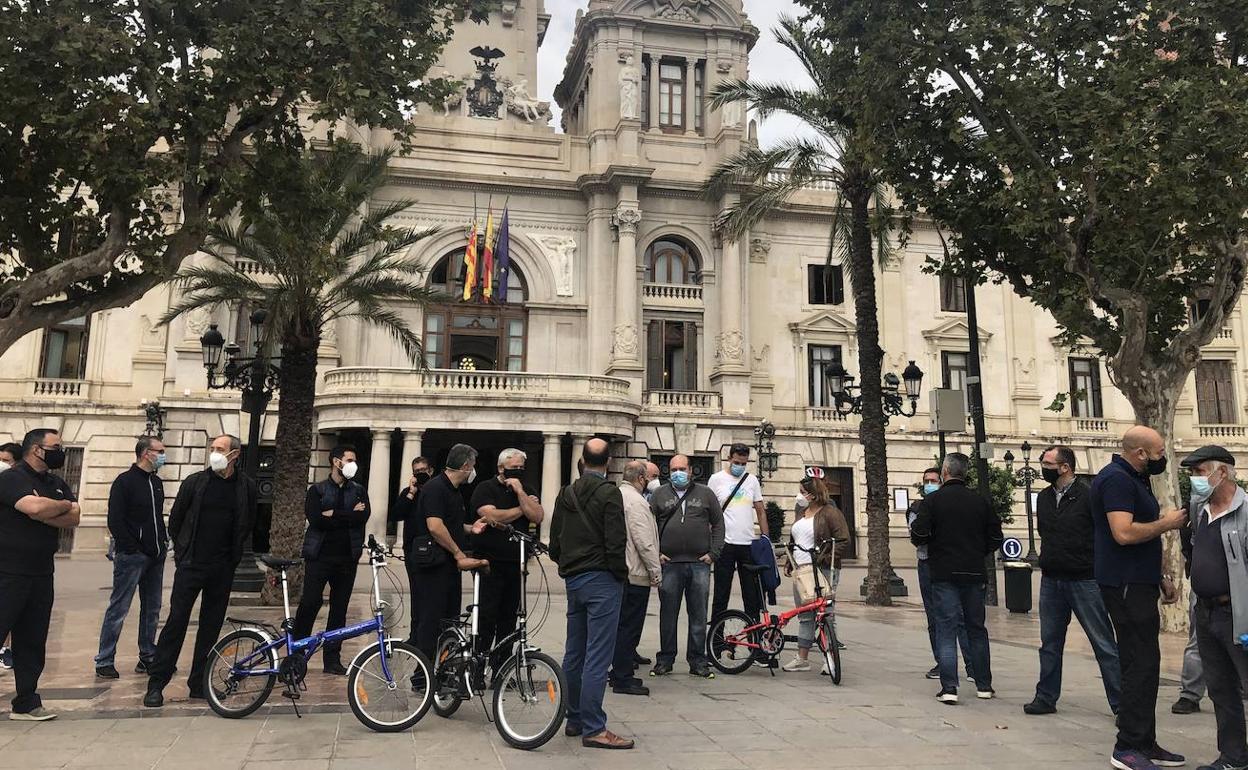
{"type": "Point", "coordinates": [654, 355]}
{"type": "Point", "coordinates": [1097, 411]}
{"type": "Point", "coordinates": [691, 355]}
{"type": "Point", "coordinates": [1225, 392]}
{"type": "Point", "coordinates": [1206, 394]}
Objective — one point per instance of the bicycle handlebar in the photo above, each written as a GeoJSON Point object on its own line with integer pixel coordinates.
{"type": "Point", "coordinates": [517, 535]}
{"type": "Point", "coordinates": [820, 546]}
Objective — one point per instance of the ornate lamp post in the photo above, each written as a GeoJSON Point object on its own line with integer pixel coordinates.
{"type": "Point", "coordinates": [257, 377]}
{"type": "Point", "coordinates": [1024, 477]}
{"type": "Point", "coordinates": [841, 387]}
{"type": "Point", "coordinates": [768, 457]}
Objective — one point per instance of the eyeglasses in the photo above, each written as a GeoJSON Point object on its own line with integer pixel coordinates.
{"type": "Point", "coordinates": [54, 446]}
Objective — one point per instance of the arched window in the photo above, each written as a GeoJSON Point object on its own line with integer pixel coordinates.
{"type": "Point", "coordinates": [476, 335]}
{"type": "Point", "coordinates": [672, 261]}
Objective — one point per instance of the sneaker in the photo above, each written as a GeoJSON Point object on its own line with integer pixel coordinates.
{"type": "Point", "coordinates": [933, 673]}
{"type": "Point", "coordinates": [948, 697]}
{"type": "Point", "coordinates": [661, 669]}
{"type": "Point", "coordinates": [840, 645]}
{"type": "Point", "coordinates": [37, 714]}
{"type": "Point", "coordinates": [1131, 760]}
{"type": "Point", "coordinates": [985, 694]}
{"type": "Point", "coordinates": [797, 664]}
{"type": "Point", "coordinates": [1222, 764]}
{"type": "Point", "coordinates": [1038, 706]}
{"type": "Point", "coordinates": [702, 672]}
{"type": "Point", "coordinates": [1162, 758]}
{"type": "Point", "coordinates": [106, 672]}
{"type": "Point", "coordinates": [767, 663]}
{"type": "Point", "coordinates": [1185, 706]}
{"type": "Point", "coordinates": [6, 659]}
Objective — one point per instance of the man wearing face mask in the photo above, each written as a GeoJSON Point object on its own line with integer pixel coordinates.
{"type": "Point", "coordinates": [35, 504]}
{"type": "Point", "coordinates": [211, 519]}
{"type": "Point", "coordinates": [931, 483]}
{"type": "Point", "coordinates": [1067, 583]}
{"type": "Point", "coordinates": [644, 573]}
{"type": "Point", "coordinates": [9, 456]}
{"type": "Point", "coordinates": [337, 510]}
{"type": "Point", "coordinates": [652, 481]}
{"type": "Point", "coordinates": [1128, 526]}
{"type": "Point", "coordinates": [691, 538]}
{"type": "Point", "coordinates": [741, 502]}
{"type": "Point", "coordinates": [136, 522]}
{"type": "Point", "coordinates": [404, 511]}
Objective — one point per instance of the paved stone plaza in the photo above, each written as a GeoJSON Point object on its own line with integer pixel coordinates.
{"type": "Point", "coordinates": [884, 714]}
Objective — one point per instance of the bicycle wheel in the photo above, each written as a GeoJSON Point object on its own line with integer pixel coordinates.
{"type": "Point", "coordinates": [726, 642]}
{"type": "Point", "coordinates": [528, 700]}
{"type": "Point", "coordinates": [831, 653]}
{"type": "Point", "coordinates": [230, 690]}
{"type": "Point", "coordinates": [390, 704]}
{"type": "Point", "coordinates": [445, 689]}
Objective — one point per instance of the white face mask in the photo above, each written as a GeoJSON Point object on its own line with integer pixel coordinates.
{"type": "Point", "coordinates": [4, 466]}
{"type": "Point", "coordinates": [653, 485]}
{"type": "Point", "coordinates": [218, 461]}
{"type": "Point", "coordinates": [801, 501]}
{"type": "Point", "coordinates": [349, 470]}
{"type": "Point", "coordinates": [472, 476]}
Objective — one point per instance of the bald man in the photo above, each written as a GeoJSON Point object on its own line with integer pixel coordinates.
{"type": "Point", "coordinates": [1128, 524]}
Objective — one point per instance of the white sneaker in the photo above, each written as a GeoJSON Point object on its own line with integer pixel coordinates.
{"type": "Point", "coordinates": [947, 696]}
{"type": "Point", "coordinates": [985, 694]}
{"type": "Point", "coordinates": [797, 664]}
{"type": "Point", "coordinates": [38, 714]}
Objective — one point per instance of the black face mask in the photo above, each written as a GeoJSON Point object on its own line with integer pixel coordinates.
{"type": "Point", "coordinates": [1050, 475]}
{"type": "Point", "coordinates": [1156, 467]}
{"type": "Point", "coordinates": [54, 458]}
{"type": "Point", "coordinates": [513, 473]}
{"type": "Point", "coordinates": [421, 478]}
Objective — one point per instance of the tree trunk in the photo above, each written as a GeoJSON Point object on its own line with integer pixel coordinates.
{"type": "Point", "coordinates": [857, 191]}
{"type": "Point", "coordinates": [294, 452]}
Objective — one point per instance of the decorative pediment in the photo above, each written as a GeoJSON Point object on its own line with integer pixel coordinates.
{"type": "Point", "coordinates": [705, 11]}
{"type": "Point", "coordinates": [1082, 345]}
{"type": "Point", "coordinates": [953, 332]}
{"type": "Point", "coordinates": [825, 322]}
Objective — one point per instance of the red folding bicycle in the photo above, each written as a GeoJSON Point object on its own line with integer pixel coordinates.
{"type": "Point", "coordinates": [735, 641]}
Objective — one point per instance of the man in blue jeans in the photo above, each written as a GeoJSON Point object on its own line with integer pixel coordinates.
{"type": "Point", "coordinates": [1068, 583]}
{"type": "Point", "coordinates": [588, 540]}
{"type": "Point", "coordinates": [959, 528]}
{"type": "Point", "coordinates": [931, 483]}
{"type": "Point", "coordinates": [136, 522]}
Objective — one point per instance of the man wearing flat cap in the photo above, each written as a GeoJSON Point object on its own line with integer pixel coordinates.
{"type": "Point", "coordinates": [1219, 535]}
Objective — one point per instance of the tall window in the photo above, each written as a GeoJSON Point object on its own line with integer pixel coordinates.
{"type": "Point", "coordinates": [699, 90]}
{"type": "Point", "coordinates": [474, 336]}
{"type": "Point", "coordinates": [1215, 394]}
{"type": "Point", "coordinates": [1085, 388]}
{"type": "Point", "coordinates": [72, 473]}
{"type": "Point", "coordinates": [818, 357]}
{"type": "Point", "coordinates": [671, 355]}
{"type": "Point", "coordinates": [646, 117]}
{"type": "Point", "coordinates": [953, 369]}
{"type": "Point", "coordinates": [64, 354]}
{"type": "Point", "coordinates": [672, 261]}
{"type": "Point", "coordinates": [671, 96]}
{"type": "Point", "coordinates": [953, 294]}
{"type": "Point", "coordinates": [825, 284]}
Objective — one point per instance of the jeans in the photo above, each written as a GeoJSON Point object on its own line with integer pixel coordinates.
{"type": "Point", "coordinates": [26, 612]}
{"type": "Point", "coordinates": [211, 585]}
{"type": "Point", "coordinates": [594, 600]}
{"type": "Point", "coordinates": [954, 602]}
{"type": "Point", "coordinates": [132, 571]}
{"type": "Point", "coordinates": [632, 621]}
{"type": "Point", "coordinates": [500, 601]}
{"type": "Point", "coordinates": [925, 590]}
{"type": "Point", "coordinates": [692, 582]}
{"type": "Point", "coordinates": [731, 560]}
{"type": "Point", "coordinates": [806, 621]}
{"type": "Point", "coordinates": [441, 598]}
{"type": "Point", "coordinates": [1192, 680]}
{"type": "Point", "coordinates": [339, 574]}
{"type": "Point", "coordinates": [1137, 624]}
{"type": "Point", "coordinates": [1226, 665]}
{"type": "Point", "coordinates": [1058, 599]}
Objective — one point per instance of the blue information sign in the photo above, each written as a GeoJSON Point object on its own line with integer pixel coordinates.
{"type": "Point", "coordinates": [1012, 548]}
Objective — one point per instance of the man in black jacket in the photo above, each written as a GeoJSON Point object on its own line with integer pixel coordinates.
{"type": "Point", "coordinates": [959, 528]}
{"type": "Point", "coordinates": [588, 540]}
{"type": "Point", "coordinates": [1068, 584]}
{"type": "Point", "coordinates": [337, 510]}
{"type": "Point", "coordinates": [404, 512]}
{"type": "Point", "coordinates": [136, 522]}
{"type": "Point", "coordinates": [211, 519]}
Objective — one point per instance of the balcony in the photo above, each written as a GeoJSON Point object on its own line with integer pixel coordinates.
{"type": "Point", "coordinates": [683, 401]}
{"type": "Point", "coordinates": [59, 389]}
{"type": "Point", "coordinates": [1222, 431]}
{"type": "Point", "coordinates": [818, 415]}
{"type": "Point", "coordinates": [1088, 425]}
{"type": "Point", "coordinates": [672, 296]}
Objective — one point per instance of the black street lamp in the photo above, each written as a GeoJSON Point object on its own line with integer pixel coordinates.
{"type": "Point", "coordinates": [258, 377]}
{"type": "Point", "coordinates": [768, 457]}
{"type": "Point", "coordinates": [1024, 477]}
{"type": "Point", "coordinates": [841, 387]}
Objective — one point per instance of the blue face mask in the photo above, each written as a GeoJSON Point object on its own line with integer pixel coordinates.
{"type": "Point", "coordinates": [736, 470]}
{"type": "Point", "coordinates": [680, 479]}
{"type": "Point", "coordinates": [1201, 488]}
{"type": "Point", "coordinates": [930, 487]}
{"type": "Point", "coordinates": [160, 461]}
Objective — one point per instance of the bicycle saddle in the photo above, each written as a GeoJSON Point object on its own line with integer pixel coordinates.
{"type": "Point", "coordinates": [757, 568]}
{"type": "Point", "coordinates": [273, 562]}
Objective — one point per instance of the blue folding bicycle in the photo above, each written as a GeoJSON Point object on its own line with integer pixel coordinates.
{"type": "Point", "coordinates": [388, 683]}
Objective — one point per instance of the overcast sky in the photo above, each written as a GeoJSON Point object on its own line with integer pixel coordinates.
{"type": "Point", "coordinates": [768, 61]}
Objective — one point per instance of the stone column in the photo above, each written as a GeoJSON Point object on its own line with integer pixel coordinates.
{"type": "Point", "coordinates": [654, 93]}
{"type": "Point", "coordinates": [625, 335]}
{"type": "Point", "coordinates": [578, 446]}
{"type": "Point", "coordinates": [731, 374]}
{"type": "Point", "coordinates": [690, 103]}
{"type": "Point", "coordinates": [379, 484]}
{"type": "Point", "coordinates": [552, 474]}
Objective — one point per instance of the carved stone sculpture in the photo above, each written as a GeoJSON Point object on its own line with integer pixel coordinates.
{"type": "Point", "coordinates": [625, 344]}
{"type": "Point", "coordinates": [630, 90]}
{"type": "Point", "coordinates": [760, 247]}
{"type": "Point", "coordinates": [560, 251]}
{"type": "Point", "coordinates": [730, 347]}
{"type": "Point", "coordinates": [521, 102]}
{"type": "Point", "coordinates": [454, 99]}
{"type": "Point", "coordinates": [730, 114]}
{"type": "Point", "coordinates": [625, 219]}
{"type": "Point", "coordinates": [684, 10]}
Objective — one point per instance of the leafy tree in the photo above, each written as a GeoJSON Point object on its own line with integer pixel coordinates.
{"type": "Point", "coordinates": [859, 229]}
{"type": "Point", "coordinates": [1092, 153]}
{"type": "Point", "coordinates": [775, 520]}
{"type": "Point", "coordinates": [1000, 484]}
{"type": "Point", "coordinates": [321, 259]}
{"type": "Point", "coordinates": [126, 125]}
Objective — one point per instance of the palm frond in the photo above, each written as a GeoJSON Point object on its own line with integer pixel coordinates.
{"type": "Point", "coordinates": [396, 326]}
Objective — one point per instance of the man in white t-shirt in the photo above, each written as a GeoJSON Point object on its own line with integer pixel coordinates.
{"type": "Point", "coordinates": [741, 497]}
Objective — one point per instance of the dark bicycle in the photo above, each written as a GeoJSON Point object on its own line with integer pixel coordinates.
{"type": "Point", "coordinates": [388, 683]}
{"type": "Point", "coordinates": [528, 687]}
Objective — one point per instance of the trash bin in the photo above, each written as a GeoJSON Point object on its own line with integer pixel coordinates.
{"type": "Point", "coordinates": [1018, 586]}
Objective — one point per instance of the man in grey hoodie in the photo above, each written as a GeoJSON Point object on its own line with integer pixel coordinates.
{"type": "Point", "coordinates": [691, 535]}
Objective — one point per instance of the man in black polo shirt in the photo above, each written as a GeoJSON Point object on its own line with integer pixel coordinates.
{"type": "Point", "coordinates": [211, 519]}
{"type": "Point", "coordinates": [1127, 564]}
{"type": "Point", "coordinates": [34, 505]}
{"type": "Point", "coordinates": [502, 499]}
{"type": "Point", "coordinates": [404, 512]}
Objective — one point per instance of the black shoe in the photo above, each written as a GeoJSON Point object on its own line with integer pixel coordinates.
{"type": "Point", "coordinates": [571, 730]}
{"type": "Point", "coordinates": [640, 660]}
{"type": "Point", "coordinates": [335, 667]}
{"type": "Point", "coordinates": [702, 672]}
{"type": "Point", "coordinates": [948, 697]}
{"type": "Point", "coordinates": [630, 687]}
{"type": "Point", "coordinates": [1224, 764]}
{"type": "Point", "coordinates": [1185, 706]}
{"type": "Point", "coordinates": [934, 673]}
{"type": "Point", "coordinates": [840, 645]}
{"type": "Point", "coordinates": [154, 698]}
{"type": "Point", "coordinates": [661, 669]}
{"type": "Point", "coordinates": [140, 667]}
{"type": "Point", "coordinates": [106, 672]}
{"type": "Point", "coordinates": [1037, 707]}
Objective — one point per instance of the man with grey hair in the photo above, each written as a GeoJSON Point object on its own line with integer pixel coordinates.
{"type": "Point", "coordinates": [644, 572]}
{"type": "Point", "coordinates": [959, 528]}
{"type": "Point", "coordinates": [211, 519]}
{"type": "Point", "coordinates": [502, 500]}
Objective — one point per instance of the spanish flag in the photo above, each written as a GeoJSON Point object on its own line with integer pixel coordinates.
{"type": "Point", "coordinates": [487, 268]}
{"type": "Point", "coordinates": [470, 262]}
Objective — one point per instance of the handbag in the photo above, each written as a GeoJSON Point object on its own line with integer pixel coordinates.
{"type": "Point", "coordinates": [426, 552]}
{"type": "Point", "coordinates": [804, 581]}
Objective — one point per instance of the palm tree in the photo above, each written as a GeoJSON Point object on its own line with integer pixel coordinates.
{"type": "Point", "coordinates": [323, 253]}
{"type": "Point", "coordinates": [859, 230]}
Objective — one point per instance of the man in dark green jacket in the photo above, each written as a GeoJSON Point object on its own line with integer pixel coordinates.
{"type": "Point", "coordinates": [588, 540]}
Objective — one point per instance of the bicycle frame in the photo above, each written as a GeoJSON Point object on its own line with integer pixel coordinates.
{"type": "Point", "coordinates": [819, 606]}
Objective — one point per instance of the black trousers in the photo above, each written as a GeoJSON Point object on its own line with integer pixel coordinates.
{"type": "Point", "coordinates": [1225, 666]}
{"type": "Point", "coordinates": [632, 621]}
{"type": "Point", "coordinates": [732, 559]}
{"type": "Point", "coordinates": [414, 589]}
{"type": "Point", "coordinates": [440, 599]}
{"type": "Point", "coordinates": [500, 601]}
{"type": "Point", "coordinates": [1137, 625]}
{"type": "Point", "coordinates": [25, 613]}
{"type": "Point", "coordinates": [211, 585]}
{"type": "Point", "coordinates": [339, 574]}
